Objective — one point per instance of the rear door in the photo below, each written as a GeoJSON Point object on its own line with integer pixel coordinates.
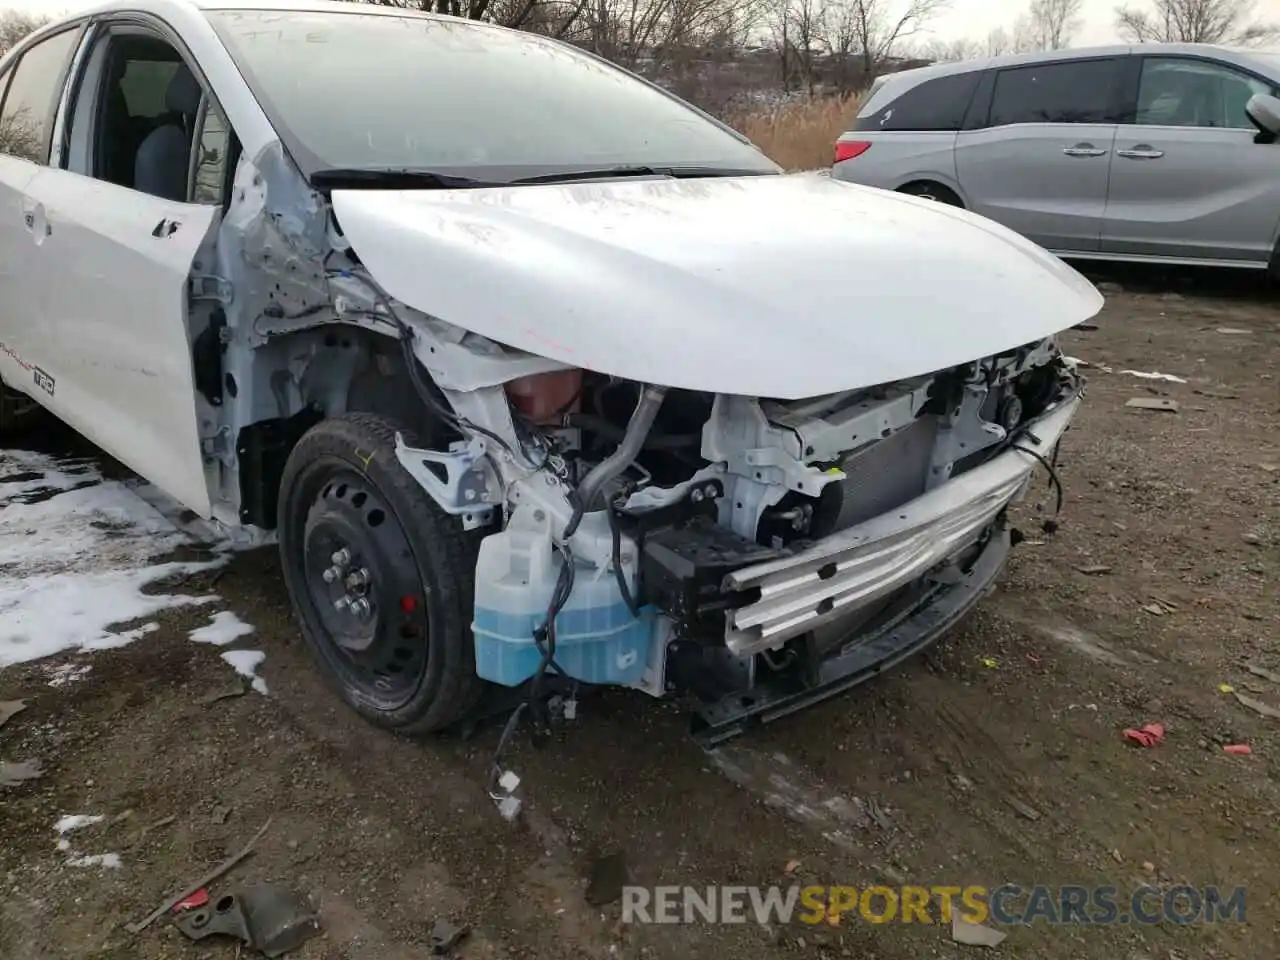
{"type": "Point", "coordinates": [29, 93]}
{"type": "Point", "coordinates": [114, 267]}
{"type": "Point", "coordinates": [1039, 161]}
{"type": "Point", "coordinates": [1188, 181]}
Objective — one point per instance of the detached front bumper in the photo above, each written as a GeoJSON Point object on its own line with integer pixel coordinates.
{"type": "Point", "coordinates": [854, 568]}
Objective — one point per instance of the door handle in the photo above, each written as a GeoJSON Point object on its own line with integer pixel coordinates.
{"type": "Point", "coordinates": [1084, 150]}
{"type": "Point", "coordinates": [1141, 152]}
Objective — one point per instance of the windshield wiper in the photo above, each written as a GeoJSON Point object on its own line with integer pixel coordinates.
{"type": "Point", "coordinates": [605, 173]}
{"type": "Point", "coordinates": [356, 177]}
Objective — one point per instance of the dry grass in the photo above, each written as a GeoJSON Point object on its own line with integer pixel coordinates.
{"type": "Point", "coordinates": [799, 135]}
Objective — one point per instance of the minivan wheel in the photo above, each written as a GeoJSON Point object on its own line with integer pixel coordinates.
{"type": "Point", "coordinates": [381, 579]}
{"type": "Point", "coordinates": [932, 191]}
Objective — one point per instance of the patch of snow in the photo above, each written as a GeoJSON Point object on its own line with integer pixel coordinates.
{"type": "Point", "coordinates": [246, 663]}
{"type": "Point", "coordinates": [111, 860]}
{"type": "Point", "coordinates": [64, 845]}
{"type": "Point", "coordinates": [224, 628]}
{"type": "Point", "coordinates": [66, 674]}
{"type": "Point", "coordinates": [75, 821]}
{"type": "Point", "coordinates": [1154, 376]}
{"type": "Point", "coordinates": [76, 552]}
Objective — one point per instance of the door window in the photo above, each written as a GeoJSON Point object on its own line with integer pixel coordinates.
{"type": "Point", "coordinates": [213, 141]}
{"type": "Point", "coordinates": [152, 126]}
{"type": "Point", "coordinates": [1194, 93]}
{"type": "Point", "coordinates": [35, 87]}
{"type": "Point", "coordinates": [1070, 91]}
{"type": "Point", "coordinates": [937, 104]}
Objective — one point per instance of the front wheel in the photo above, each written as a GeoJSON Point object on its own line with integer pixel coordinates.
{"type": "Point", "coordinates": [381, 579]}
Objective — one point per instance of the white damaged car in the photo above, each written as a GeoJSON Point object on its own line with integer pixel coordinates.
{"type": "Point", "coordinates": [541, 376]}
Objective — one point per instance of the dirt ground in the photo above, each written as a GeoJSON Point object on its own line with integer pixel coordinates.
{"type": "Point", "coordinates": [996, 757]}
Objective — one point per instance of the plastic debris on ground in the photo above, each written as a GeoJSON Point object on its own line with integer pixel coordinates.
{"type": "Point", "coordinates": [1160, 405]}
{"type": "Point", "coordinates": [1146, 736]}
{"type": "Point", "coordinates": [111, 861]}
{"type": "Point", "coordinates": [197, 899]}
{"type": "Point", "coordinates": [1154, 376]}
{"type": "Point", "coordinates": [1237, 749]}
{"type": "Point", "coordinates": [15, 774]}
{"type": "Point", "coordinates": [76, 821]}
{"type": "Point", "coordinates": [1263, 672]}
{"type": "Point", "coordinates": [445, 936]}
{"type": "Point", "coordinates": [1258, 707]}
{"type": "Point", "coordinates": [270, 919]}
{"type": "Point", "coordinates": [974, 934]}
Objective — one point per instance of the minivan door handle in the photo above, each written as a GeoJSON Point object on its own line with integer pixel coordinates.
{"type": "Point", "coordinates": [1142, 151]}
{"type": "Point", "coordinates": [1084, 150]}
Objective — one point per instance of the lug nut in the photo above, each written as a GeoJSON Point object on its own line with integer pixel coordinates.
{"type": "Point", "coordinates": [360, 607]}
{"type": "Point", "coordinates": [331, 574]}
{"type": "Point", "coordinates": [710, 491]}
{"type": "Point", "coordinates": [341, 557]}
{"type": "Point", "coordinates": [358, 579]}
{"type": "Point", "coordinates": [342, 603]}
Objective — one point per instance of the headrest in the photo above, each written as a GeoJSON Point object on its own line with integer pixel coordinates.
{"type": "Point", "coordinates": [183, 95]}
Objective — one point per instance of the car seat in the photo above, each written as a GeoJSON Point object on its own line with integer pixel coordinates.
{"type": "Point", "coordinates": [162, 162]}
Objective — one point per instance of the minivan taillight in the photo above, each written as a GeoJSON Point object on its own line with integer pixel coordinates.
{"type": "Point", "coordinates": [848, 149]}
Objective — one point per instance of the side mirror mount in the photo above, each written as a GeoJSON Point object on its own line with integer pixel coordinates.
{"type": "Point", "coordinates": [1264, 110]}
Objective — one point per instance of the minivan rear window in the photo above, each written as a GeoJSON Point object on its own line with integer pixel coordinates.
{"type": "Point", "coordinates": [937, 104]}
{"type": "Point", "coordinates": [1070, 91]}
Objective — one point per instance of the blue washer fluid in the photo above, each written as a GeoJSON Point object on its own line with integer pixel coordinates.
{"type": "Point", "coordinates": [597, 638]}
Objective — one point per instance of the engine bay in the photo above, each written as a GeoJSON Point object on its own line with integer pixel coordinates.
{"type": "Point", "coordinates": [618, 513]}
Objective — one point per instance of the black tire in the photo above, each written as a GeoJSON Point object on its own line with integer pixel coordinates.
{"type": "Point", "coordinates": [932, 191]}
{"type": "Point", "coordinates": [18, 412]}
{"type": "Point", "coordinates": [417, 674]}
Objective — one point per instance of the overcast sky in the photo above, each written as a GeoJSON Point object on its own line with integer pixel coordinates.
{"type": "Point", "coordinates": [967, 18]}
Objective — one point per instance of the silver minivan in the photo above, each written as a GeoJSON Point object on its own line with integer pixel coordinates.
{"type": "Point", "coordinates": [1156, 152]}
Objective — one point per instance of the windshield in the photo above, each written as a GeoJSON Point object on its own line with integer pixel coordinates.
{"type": "Point", "coordinates": [382, 92]}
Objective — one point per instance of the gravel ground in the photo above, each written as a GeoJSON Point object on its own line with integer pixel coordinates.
{"type": "Point", "coordinates": [994, 758]}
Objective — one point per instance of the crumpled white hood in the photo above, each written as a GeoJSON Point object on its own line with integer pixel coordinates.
{"type": "Point", "coordinates": [775, 286]}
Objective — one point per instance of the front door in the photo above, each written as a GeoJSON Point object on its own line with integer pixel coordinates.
{"type": "Point", "coordinates": [115, 242]}
{"type": "Point", "coordinates": [1040, 163]}
{"type": "Point", "coordinates": [1188, 181]}
{"type": "Point", "coordinates": [114, 338]}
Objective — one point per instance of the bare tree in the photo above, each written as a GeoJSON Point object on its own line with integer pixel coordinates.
{"type": "Point", "coordinates": [951, 51]}
{"type": "Point", "coordinates": [14, 25]}
{"type": "Point", "coordinates": [1194, 21]}
{"type": "Point", "coordinates": [17, 132]}
{"type": "Point", "coordinates": [880, 26]}
{"type": "Point", "coordinates": [1053, 22]}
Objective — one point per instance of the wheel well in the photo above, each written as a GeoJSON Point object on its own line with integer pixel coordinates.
{"type": "Point", "coordinates": [371, 378]}
{"type": "Point", "coordinates": [941, 190]}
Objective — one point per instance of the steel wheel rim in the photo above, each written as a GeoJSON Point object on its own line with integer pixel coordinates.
{"type": "Point", "coordinates": [363, 584]}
